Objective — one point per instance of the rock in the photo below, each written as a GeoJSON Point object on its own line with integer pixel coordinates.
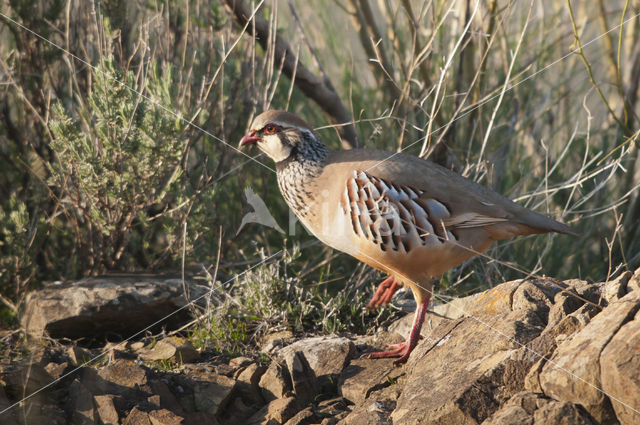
{"type": "Point", "coordinates": [493, 361]}
{"type": "Point", "coordinates": [363, 376]}
{"type": "Point", "coordinates": [175, 349]}
{"type": "Point", "coordinates": [326, 355]}
{"type": "Point", "coordinates": [97, 307]}
{"type": "Point", "coordinates": [620, 371]}
{"type": "Point", "coordinates": [376, 409]}
{"type": "Point", "coordinates": [80, 404]}
{"type": "Point", "coordinates": [25, 378]}
{"type": "Point", "coordinates": [493, 301]}
{"type": "Point", "coordinates": [167, 399]}
{"type": "Point", "coordinates": [105, 409]}
{"type": "Point", "coordinates": [248, 384]}
{"type": "Point", "coordinates": [547, 342]}
{"type": "Point", "coordinates": [276, 412]}
{"type": "Point", "coordinates": [613, 290]}
{"type": "Point", "coordinates": [237, 412]}
{"type": "Point", "coordinates": [535, 409]}
{"type": "Point", "coordinates": [164, 417]}
{"type": "Point", "coordinates": [510, 415]}
{"type": "Point", "coordinates": [241, 361]}
{"type": "Point", "coordinates": [56, 370]}
{"type": "Point", "coordinates": [137, 417]}
{"type": "Point", "coordinates": [224, 369]}
{"type": "Point", "coordinates": [437, 314]}
{"type": "Point", "coordinates": [125, 373]}
{"type": "Point", "coordinates": [79, 355]}
{"type": "Point", "coordinates": [634, 283]}
{"type": "Point", "coordinates": [4, 401]}
{"type": "Point", "coordinates": [35, 412]}
{"type": "Point", "coordinates": [276, 381]}
{"type": "Point", "coordinates": [562, 413]}
{"type": "Point", "coordinates": [332, 410]}
{"type": "Point", "coordinates": [303, 380]}
{"type": "Point", "coordinates": [469, 365]}
{"type": "Point", "coordinates": [200, 418]}
{"type": "Point", "coordinates": [211, 392]}
{"type": "Point", "coordinates": [573, 372]}
{"type": "Point", "coordinates": [276, 340]}
{"type": "Point", "coordinates": [304, 417]}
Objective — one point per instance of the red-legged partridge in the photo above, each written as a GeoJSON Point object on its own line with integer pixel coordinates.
{"type": "Point", "coordinates": [398, 213]}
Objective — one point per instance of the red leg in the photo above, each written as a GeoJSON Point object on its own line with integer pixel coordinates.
{"type": "Point", "coordinates": [383, 294]}
{"type": "Point", "coordinates": [404, 349]}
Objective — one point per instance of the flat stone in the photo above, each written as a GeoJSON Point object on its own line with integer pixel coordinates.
{"type": "Point", "coordinates": [613, 290]}
{"type": "Point", "coordinates": [634, 283]}
{"type": "Point", "coordinates": [112, 305]}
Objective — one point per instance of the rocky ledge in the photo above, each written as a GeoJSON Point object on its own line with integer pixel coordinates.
{"type": "Point", "coordinates": [524, 352]}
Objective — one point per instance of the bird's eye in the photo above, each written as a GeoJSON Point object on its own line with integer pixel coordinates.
{"type": "Point", "coordinates": [270, 129]}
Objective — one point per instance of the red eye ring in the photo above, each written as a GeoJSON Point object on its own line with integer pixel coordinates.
{"type": "Point", "coordinates": [271, 129]}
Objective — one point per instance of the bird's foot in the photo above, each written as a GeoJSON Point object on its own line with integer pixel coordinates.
{"type": "Point", "coordinates": [396, 350]}
{"type": "Point", "coordinates": [383, 294]}
{"type": "Point", "coordinates": [401, 350]}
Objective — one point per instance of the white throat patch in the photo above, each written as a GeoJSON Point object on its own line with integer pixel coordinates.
{"type": "Point", "coordinates": [273, 146]}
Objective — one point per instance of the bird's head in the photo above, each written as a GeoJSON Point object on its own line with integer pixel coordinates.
{"type": "Point", "coordinates": [281, 135]}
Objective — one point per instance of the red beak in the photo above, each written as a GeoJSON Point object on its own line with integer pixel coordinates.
{"type": "Point", "coordinates": [250, 138]}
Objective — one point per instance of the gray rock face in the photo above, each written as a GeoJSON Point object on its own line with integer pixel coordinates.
{"type": "Point", "coordinates": [106, 306]}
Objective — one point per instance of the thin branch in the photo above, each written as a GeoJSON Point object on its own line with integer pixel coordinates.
{"type": "Point", "coordinates": [320, 91]}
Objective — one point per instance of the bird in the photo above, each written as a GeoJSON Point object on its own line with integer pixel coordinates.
{"type": "Point", "coordinates": [403, 215]}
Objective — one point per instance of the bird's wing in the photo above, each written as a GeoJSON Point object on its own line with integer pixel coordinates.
{"type": "Point", "coordinates": [448, 198]}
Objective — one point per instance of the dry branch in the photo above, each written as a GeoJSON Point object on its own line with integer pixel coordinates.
{"type": "Point", "coordinates": [320, 91]}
